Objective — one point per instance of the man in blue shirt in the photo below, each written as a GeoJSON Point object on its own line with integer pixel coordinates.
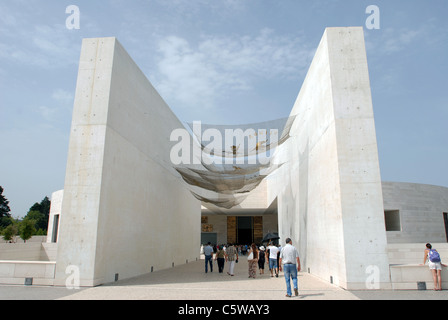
{"type": "Point", "coordinates": [208, 253]}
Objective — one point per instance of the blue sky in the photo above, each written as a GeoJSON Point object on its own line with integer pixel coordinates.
{"type": "Point", "coordinates": [223, 62]}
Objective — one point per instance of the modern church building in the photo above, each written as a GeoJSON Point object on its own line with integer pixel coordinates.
{"type": "Point", "coordinates": [142, 191]}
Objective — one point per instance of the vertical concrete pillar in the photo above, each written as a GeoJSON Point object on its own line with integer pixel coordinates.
{"type": "Point", "coordinates": [124, 211]}
{"type": "Point", "coordinates": [329, 192]}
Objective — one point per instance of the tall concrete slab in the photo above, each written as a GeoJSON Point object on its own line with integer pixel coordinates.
{"type": "Point", "coordinates": [125, 212]}
{"type": "Point", "coordinates": [329, 192]}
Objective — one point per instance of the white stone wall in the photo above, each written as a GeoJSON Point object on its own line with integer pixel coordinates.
{"type": "Point", "coordinates": [421, 209]}
{"type": "Point", "coordinates": [329, 192]}
{"type": "Point", "coordinates": [55, 209]}
{"type": "Point", "coordinates": [124, 210]}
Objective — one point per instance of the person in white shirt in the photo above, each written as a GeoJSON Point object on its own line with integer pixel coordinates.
{"type": "Point", "coordinates": [289, 257]}
{"type": "Point", "coordinates": [273, 265]}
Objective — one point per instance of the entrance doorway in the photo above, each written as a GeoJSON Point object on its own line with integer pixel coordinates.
{"type": "Point", "coordinates": [245, 232]}
{"type": "Point", "coordinates": [244, 229]}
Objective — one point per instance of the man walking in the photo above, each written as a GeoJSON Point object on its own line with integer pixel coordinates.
{"type": "Point", "coordinates": [208, 253]}
{"type": "Point", "coordinates": [289, 258]}
{"type": "Point", "coordinates": [231, 257]}
{"type": "Point", "coordinates": [273, 262]}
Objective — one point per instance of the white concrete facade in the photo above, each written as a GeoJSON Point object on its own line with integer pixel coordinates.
{"type": "Point", "coordinates": [125, 211]}
{"type": "Point", "coordinates": [329, 193]}
{"type": "Point", "coordinates": [54, 216]}
{"type": "Point", "coordinates": [326, 193]}
{"type": "Point", "coordinates": [419, 211]}
{"type": "Point", "coordinates": [120, 187]}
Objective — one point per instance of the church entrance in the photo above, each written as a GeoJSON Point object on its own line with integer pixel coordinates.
{"type": "Point", "coordinates": [245, 232]}
{"type": "Point", "coordinates": [244, 229]}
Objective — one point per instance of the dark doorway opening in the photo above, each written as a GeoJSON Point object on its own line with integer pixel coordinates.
{"type": "Point", "coordinates": [54, 238]}
{"type": "Point", "coordinates": [245, 231]}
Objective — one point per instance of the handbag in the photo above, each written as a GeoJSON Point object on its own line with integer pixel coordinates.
{"type": "Point", "coordinates": [251, 256]}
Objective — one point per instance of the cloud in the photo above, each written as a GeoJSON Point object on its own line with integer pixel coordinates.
{"type": "Point", "coordinates": [48, 113]}
{"type": "Point", "coordinates": [58, 108]}
{"type": "Point", "coordinates": [31, 43]}
{"type": "Point", "coordinates": [401, 45]}
{"type": "Point", "coordinates": [388, 41]}
{"type": "Point", "coordinates": [62, 96]}
{"type": "Point", "coordinates": [199, 75]}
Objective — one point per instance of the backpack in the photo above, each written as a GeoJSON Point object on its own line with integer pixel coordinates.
{"type": "Point", "coordinates": [433, 255]}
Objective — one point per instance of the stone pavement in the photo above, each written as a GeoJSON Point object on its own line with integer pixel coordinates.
{"type": "Point", "coordinates": [189, 282]}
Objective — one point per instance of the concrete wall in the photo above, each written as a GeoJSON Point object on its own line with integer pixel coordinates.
{"type": "Point", "coordinates": [420, 209]}
{"type": "Point", "coordinates": [329, 192]}
{"type": "Point", "coordinates": [16, 272]}
{"type": "Point", "coordinates": [124, 210]}
{"type": "Point", "coordinates": [413, 253]}
{"type": "Point", "coordinates": [29, 251]}
{"type": "Point", "coordinates": [55, 209]}
{"type": "Point", "coordinates": [407, 268]}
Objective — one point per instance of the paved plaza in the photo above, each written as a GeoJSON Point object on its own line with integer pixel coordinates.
{"type": "Point", "coordinates": [189, 282]}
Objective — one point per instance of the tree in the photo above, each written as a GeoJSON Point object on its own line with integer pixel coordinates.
{"type": "Point", "coordinates": [5, 221]}
{"type": "Point", "coordinates": [4, 205]}
{"type": "Point", "coordinates": [38, 218]}
{"type": "Point", "coordinates": [27, 229]}
{"type": "Point", "coordinates": [10, 232]}
{"type": "Point", "coordinates": [40, 213]}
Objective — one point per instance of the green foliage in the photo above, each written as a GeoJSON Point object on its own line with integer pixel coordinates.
{"type": "Point", "coordinates": [4, 207]}
{"type": "Point", "coordinates": [5, 221]}
{"type": "Point", "coordinates": [39, 213]}
{"type": "Point", "coordinates": [38, 217]}
{"type": "Point", "coordinates": [41, 232]}
{"type": "Point", "coordinates": [10, 232]}
{"type": "Point", "coordinates": [27, 229]}
{"type": "Point", "coordinates": [43, 206]}
{"type": "Point", "coordinates": [34, 223]}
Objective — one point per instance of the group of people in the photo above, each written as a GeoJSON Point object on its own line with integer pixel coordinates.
{"type": "Point", "coordinates": [279, 258]}
{"type": "Point", "coordinates": [287, 259]}
{"type": "Point", "coordinates": [222, 254]}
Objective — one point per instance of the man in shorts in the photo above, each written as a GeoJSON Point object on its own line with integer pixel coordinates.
{"type": "Point", "coordinates": [273, 264]}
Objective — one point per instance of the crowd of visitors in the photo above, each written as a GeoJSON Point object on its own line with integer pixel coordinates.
{"type": "Point", "coordinates": [276, 257]}
{"type": "Point", "coordinates": [286, 259]}
{"type": "Point", "coordinates": [256, 256]}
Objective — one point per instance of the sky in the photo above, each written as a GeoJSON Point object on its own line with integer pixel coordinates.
{"type": "Point", "coordinates": [219, 62]}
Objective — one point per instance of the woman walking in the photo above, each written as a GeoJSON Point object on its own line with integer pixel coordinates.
{"type": "Point", "coordinates": [253, 260]}
{"type": "Point", "coordinates": [220, 258]}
